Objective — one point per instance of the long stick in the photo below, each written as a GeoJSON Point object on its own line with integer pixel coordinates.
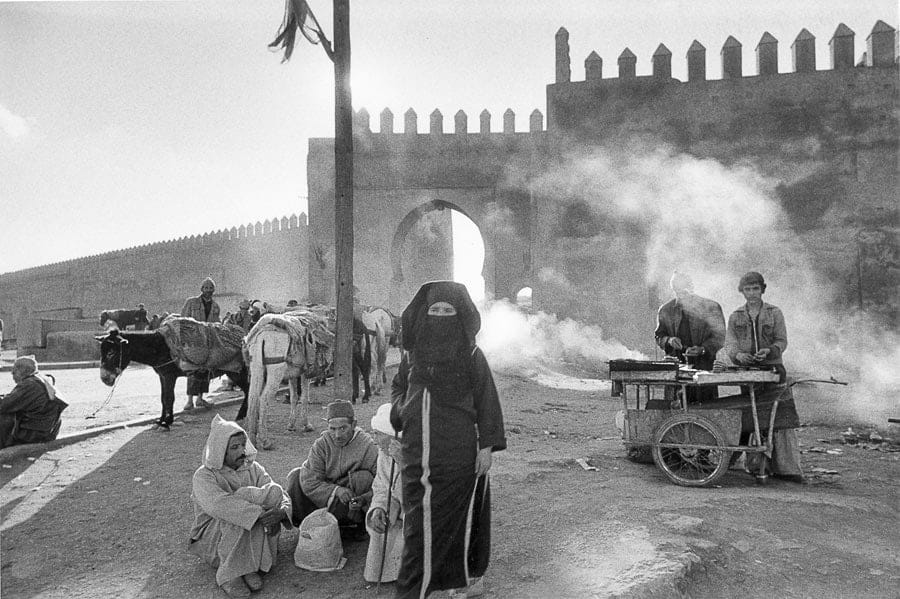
{"type": "Point", "coordinates": [387, 526]}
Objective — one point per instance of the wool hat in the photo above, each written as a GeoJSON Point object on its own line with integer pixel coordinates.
{"type": "Point", "coordinates": [750, 278]}
{"type": "Point", "coordinates": [208, 280]}
{"type": "Point", "coordinates": [381, 421]}
{"type": "Point", "coordinates": [340, 409]}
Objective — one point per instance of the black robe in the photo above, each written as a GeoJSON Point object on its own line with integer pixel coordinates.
{"type": "Point", "coordinates": [446, 417]}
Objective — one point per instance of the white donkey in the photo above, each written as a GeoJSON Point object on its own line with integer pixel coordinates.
{"type": "Point", "coordinates": [298, 346]}
{"type": "Point", "coordinates": [386, 328]}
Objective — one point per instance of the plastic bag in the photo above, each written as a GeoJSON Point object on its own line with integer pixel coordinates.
{"type": "Point", "coordinates": [319, 545]}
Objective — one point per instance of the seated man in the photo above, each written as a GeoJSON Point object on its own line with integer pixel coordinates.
{"type": "Point", "coordinates": [30, 413]}
{"type": "Point", "coordinates": [238, 511]}
{"type": "Point", "coordinates": [386, 513]}
{"type": "Point", "coordinates": [338, 472]}
{"type": "Point", "coordinates": [757, 337]}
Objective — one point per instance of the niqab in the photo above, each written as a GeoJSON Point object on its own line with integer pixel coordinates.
{"type": "Point", "coordinates": [438, 340]}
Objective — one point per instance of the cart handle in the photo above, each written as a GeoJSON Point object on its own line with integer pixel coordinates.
{"type": "Point", "coordinates": [831, 381]}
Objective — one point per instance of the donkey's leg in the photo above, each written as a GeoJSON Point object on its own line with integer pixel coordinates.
{"type": "Point", "coordinates": [257, 380]}
{"type": "Point", "coordinates": [274, 375]}
{"type": "Point", "coordinates": [292, 386]}
{"type": "Point", "coordinates": [167, 398]}
{"type": "Point", "coordinates": [243, 381]}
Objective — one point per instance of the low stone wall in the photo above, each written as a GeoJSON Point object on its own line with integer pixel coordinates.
{"type": "Point", "coordinates": [70, 346]}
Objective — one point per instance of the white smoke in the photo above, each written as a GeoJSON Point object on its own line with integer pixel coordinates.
{"type": "Point", "coordinates": [715, 222]}
{"type": "Point", "coordinates": [538, 344]}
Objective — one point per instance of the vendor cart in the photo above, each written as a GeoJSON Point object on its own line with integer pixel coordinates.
{"type": "Point", "coordinates": [692, 446]}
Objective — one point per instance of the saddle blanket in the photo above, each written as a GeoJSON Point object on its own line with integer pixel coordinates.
{"type": "Point", "coordinates": [203, 345]}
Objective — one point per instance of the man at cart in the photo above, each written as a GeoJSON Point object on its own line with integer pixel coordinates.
{"type": "Point", "coordinates": [756, 337]}
{"type": "Point", "coordinates": [691, 329]}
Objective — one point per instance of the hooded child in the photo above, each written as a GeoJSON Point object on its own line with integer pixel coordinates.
{"type": "Point", "coordinates": [385, 516]}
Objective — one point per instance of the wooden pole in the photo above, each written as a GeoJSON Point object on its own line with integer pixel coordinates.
{"type": "Point", "coordinates": [343, 201]}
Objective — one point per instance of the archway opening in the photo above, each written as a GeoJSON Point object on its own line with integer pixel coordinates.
{"type": "Point", "coordinates": [523, 298]}
{"type": "Point", "coordinates": [468, 255]}
{"type": "Point", "coordinates": [437, 241]}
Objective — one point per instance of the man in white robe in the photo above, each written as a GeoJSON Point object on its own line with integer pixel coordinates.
{"type": "Point", "coordinates": [238, 511]}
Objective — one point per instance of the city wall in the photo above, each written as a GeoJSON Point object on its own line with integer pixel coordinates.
{"type": "Point", "coordinates": [842, 119]}
{"type": "Point", "coordinates": [265, 260]}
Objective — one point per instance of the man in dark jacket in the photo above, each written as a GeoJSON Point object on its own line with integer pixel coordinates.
{"type": "Point", "coordinates": [692, 329]}
{"type": "Point", "coordinates": [30, 413]}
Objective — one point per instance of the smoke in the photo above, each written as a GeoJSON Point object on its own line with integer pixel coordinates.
{"type": "Point", "coordinates": [716, 222]}
{"type": "Point", "coordinates": [540, 344]}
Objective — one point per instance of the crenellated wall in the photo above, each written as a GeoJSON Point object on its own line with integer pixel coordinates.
{"type": "Point", "coordinates": [265, 260]}
{"type": "Point", "coordinates": [843, 121]}
{"type": "Point", "coordinates": [401, 176]}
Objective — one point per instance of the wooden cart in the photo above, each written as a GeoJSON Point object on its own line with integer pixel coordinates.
{"type": "Point", "coordinates": [691, 446]}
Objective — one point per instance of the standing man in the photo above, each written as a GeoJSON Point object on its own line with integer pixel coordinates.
{"type": "Point", "coordinates": [242, 317]}
{"type": "Point", "coordinates": [692, 329]}
{"type": "Point", "coordinates": [141, 322]}
{"type": "Point", "coordinates": [202, 308]}
{"type": "Point", "coordinates": [757, 337]}
{"type": "Point", "coordinates": [338, 473]}
{"type": "Point", "coordinates": [30, 413]}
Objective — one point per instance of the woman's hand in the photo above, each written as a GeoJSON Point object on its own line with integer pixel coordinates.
{"type": "Point", "coordinates": [483, 461]}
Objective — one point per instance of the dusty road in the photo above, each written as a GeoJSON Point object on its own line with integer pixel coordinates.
{"type": "Point", "coordinates": [108, 517]}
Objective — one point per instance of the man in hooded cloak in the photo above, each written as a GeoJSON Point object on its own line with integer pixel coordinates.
{"type": "Point", "coordinates": [238, 510]}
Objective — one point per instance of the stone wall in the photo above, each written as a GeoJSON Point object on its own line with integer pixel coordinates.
{"type": "Point", "coordinates": [593, 267]}
{"type": "Point", "coordinates": [265, 260]}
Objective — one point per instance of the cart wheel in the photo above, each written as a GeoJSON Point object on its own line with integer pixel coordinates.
{"type": "Point", "coordinates": [686, 466]}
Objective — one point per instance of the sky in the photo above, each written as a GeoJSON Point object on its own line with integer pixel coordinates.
{"type": "Point", "coordinates": [124, 123]}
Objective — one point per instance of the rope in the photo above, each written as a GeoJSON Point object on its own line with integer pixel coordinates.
{"type": "Point", "coordinates": [108, 397]}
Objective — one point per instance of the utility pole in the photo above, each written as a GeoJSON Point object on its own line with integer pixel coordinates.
{"type": "Point", "coordinates": [343, 202]}
{"type": "Point", "coordinates": [296, 16]}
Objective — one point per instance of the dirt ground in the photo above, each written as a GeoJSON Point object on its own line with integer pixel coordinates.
{"type": "Point", "coordinates": [108, 517]}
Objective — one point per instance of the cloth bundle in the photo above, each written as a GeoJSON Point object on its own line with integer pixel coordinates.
{"type": "Point", "coordinates": [319, 547]}
{"type": "Point", "coordinates": [312, 338]}
{"type": "Point", "coordinates": [203, 345]}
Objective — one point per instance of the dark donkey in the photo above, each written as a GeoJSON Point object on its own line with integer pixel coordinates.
{"type": "Point", "coordinates": [124, 318]}
{"type": "Point", "coordinates": [119, 348]}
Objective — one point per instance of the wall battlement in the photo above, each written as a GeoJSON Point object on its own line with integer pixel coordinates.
{"type": "Point", "coordinates": [362, 125]}
{"type": "Point", "coordinates": [881, 51]}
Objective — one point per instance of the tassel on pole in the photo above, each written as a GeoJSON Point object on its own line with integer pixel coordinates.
{"type": "Point", "coordinates": [295, 15]}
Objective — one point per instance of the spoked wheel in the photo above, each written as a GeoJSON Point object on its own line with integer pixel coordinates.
{"type": "Point", "coordinates": [690, 450]}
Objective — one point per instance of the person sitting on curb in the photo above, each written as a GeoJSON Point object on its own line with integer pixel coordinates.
{"type": "Point", "coordinates": [30, 413]}
{"type": "Point", "coordinates": [238, 511]}
{"type": "Point", "coordinates": [385, 516]}
{"type": "Point", "coordinates": [338, 472]}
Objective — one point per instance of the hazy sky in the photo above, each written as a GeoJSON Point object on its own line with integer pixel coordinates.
{"type": "Point", "coordinates": [123, 123]}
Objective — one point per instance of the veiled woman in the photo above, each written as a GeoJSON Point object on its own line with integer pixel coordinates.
{"type": "Point", "coordinates": [446, 404]}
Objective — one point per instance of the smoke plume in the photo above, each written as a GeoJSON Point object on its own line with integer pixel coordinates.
{"type": "Point", "coordinates": [716, 222]}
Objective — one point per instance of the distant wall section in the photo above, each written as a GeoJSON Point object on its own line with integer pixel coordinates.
{"type": "Point", "coordinates": [266, 260]}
